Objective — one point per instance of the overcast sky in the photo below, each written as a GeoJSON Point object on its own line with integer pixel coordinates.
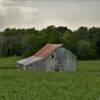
{"type": "Point", "coordinates": [41, 13]}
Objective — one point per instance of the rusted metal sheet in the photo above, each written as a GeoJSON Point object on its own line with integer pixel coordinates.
{"type": "Point", "coordinates": [47, 50]}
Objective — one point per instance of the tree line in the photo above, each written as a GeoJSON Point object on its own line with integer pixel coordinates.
{"type": "Point", "coordinates": [83, 42]}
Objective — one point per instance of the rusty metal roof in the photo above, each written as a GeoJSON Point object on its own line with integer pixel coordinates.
{"type": "Point", "coordinates": [47, 50]}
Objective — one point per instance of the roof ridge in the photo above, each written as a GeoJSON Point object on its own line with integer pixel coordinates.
{"type": "Point", "coordinates": [53, 44]}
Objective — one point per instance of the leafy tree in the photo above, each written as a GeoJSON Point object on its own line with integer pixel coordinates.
{"type": "Point", "coordinates": [63, 29]}
{"type": "Point", "coordinates": [51, 35]}
{"type": "Point", "coordinates": [82, 33]}
{"type": "Point", "coordinates": [69, 41]}
{"type": "Point", "coordinates": [84, 42]}
{"type": "Point", "coordinates": [31, 44]}
{"type": "Point", "coordinates": [15, 39]}
{"type": "Point", "coordinates": [94, 36]}
{"type": "Point", "coordinates": [86, 50]}
{"type": "Point", "coordinates": [4, 51]}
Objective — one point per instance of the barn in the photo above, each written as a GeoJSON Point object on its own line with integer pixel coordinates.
{"type": "Point", "coordinates": [52, 57]}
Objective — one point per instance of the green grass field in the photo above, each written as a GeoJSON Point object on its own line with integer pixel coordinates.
{"type": "Point", "coordinates": [84, 84]}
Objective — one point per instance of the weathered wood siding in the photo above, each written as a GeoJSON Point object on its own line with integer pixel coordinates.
{"type": "Point", "coordinates": [61, 59]}
{"type": "Point", "coordinates": [40, 65]}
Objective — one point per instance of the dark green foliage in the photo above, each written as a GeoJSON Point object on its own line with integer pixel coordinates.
{"type": "Point", "coordinates": [51, 35]}
{"type": "Point", "coordinates": [69, 41]}
{"type": "Point", "coordinates": [84, 42]}
{"type": "Point", "coordinates": [31, 44]}
{"type": "Point", "coordinates": [63, 29]}
{"type": "Point", "coordinates": [82, 33]}
{"type": "Point", "coordinates": [85, 50]}
{"type": "Point", "coordinates": [3, 46]}
{"type": "Point", "coordinates": [94, 35]}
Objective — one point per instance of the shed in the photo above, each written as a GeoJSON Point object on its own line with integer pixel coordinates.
{"type": "Point", "coordinates": [52, 57]}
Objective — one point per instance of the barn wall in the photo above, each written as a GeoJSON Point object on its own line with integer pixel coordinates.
{"type": "Point", "coordinates": [67, 60]}
{"type": "Point", "coordinates": [50, 63]}
{"type": "Point", "coordinates": [39, 65]}
{"type": "Point", "coordinates": [71, 61]}
{"type": "Point", "coordinates": [61, 56]}
{"type": "Point", "coordinates": [20, 66]}
{"type": "Point", "coordinates": [56, 63]}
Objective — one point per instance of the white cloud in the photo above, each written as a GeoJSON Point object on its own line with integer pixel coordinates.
{"type": "Point", "coordinates": [28, 10]}
{"type": "Point", "coordinates": [40, 13]}
{"type": "Point", "coordinates": [3, 9]}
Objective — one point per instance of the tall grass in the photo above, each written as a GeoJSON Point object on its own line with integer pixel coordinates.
{"type": "Point", "coordinates": [84, 84]}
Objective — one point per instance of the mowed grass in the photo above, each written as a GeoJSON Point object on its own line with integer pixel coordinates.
{"type": "Point", "coordinates": [84, 84]}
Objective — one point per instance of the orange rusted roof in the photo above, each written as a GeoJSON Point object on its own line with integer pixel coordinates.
{"type": "Point", "coordinates": [47, 50]}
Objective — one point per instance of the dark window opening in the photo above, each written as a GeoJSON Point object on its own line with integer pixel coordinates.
{"type": "Point", "coordinates": [52, 56]}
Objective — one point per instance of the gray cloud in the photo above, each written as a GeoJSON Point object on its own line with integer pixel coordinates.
{"type": "Point", "coordinates": [40, 13]}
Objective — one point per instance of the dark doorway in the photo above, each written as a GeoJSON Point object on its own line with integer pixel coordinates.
{"type": "Point", "coordinates": [56, 68]}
